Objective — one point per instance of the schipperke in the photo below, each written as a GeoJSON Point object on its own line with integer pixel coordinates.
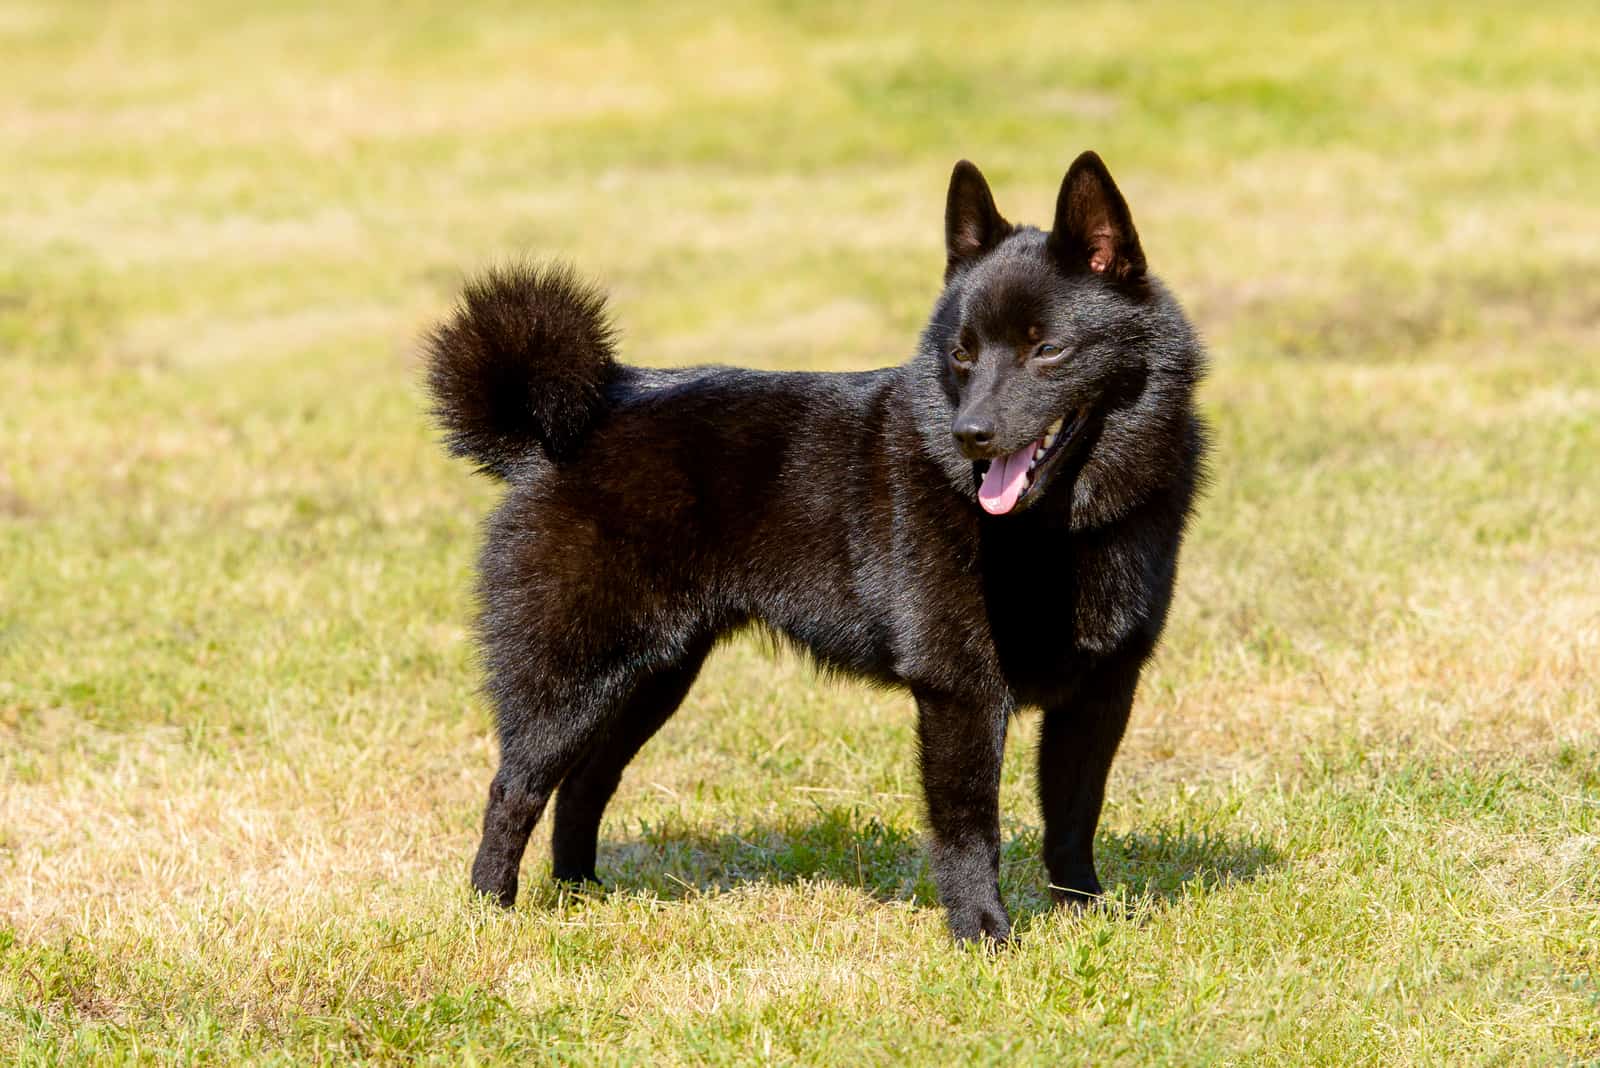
{"type": "Point", "coordinates": [991, 525]}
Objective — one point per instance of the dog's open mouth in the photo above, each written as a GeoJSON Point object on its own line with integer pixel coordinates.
{"type": "Point", "coordinates": [1009, 479]}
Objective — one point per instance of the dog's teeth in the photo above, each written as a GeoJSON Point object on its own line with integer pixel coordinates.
{"type": "Point", "coordinates": [1055, 428]}
{"type": "Point", "coordinates": [1049, 440]}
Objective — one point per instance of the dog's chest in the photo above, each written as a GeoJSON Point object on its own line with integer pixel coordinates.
{"type": "Point", "coordinates": [1032, 590]}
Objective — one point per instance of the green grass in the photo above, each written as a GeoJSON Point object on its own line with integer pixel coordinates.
{"type": "Point", "coordinates": [1357, 817]}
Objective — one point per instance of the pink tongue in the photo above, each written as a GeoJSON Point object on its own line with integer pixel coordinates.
{"type": "Point", "coordinates": [1005, 480]}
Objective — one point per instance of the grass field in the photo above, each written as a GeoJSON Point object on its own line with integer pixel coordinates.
{"type": "Point", "coordinates": [1357, 817]}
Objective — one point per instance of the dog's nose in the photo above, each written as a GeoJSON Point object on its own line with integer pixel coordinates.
{"type": "Point", "coordinates": [974, 436]}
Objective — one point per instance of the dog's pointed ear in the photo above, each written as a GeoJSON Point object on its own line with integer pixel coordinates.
{"type": "Point", "coordinates": [1093, 230]}
{"type": "Point", "coordinates": [972, 224]}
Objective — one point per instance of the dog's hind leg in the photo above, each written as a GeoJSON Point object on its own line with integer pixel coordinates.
{"type": "Point", "coordinates": [1077, 742]}
{"type": "Point", "coordinates": [588, 787]}
{"type": "Point", "coordinates": [545, 727]}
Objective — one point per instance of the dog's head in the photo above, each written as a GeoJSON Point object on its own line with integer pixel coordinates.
{"type": "Point", "coordinates": [1047, 346]}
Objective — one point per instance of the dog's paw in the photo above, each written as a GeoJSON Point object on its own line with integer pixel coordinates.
{"type": "Point", "coordinates": [1077, 889]}
{"type": "Point", "coordinates": [582, 881]}
{"type": "Point", "coordinates": [497, 882]}
{"type": "Point", "coordinates": [1076, 884]}
{"type": "Point", "coordinates": [981, 925]}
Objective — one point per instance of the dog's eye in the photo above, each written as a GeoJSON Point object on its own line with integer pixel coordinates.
{"type": "Point", "coordinates": [960, 354]}
{"type": "Point", "coordinates": [1047, 351]}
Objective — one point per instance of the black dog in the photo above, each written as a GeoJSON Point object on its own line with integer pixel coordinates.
{"type": "Point", "coordinates": [993, 524]}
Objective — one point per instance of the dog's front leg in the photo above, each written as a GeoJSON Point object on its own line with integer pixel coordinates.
{"type": "Point", "coordinates": [961, 745]}
{"type": "Point", "coordinates": [1077, 742]}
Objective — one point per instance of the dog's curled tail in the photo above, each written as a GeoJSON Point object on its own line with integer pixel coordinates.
{"type": "Point", "coordinates": [521, 364]}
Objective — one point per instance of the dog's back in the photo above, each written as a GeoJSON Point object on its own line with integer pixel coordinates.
{"type": "Point", "coordinates": [701, 499]}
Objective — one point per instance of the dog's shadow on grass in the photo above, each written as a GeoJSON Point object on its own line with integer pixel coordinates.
{"type": "Point", "coordinates": [1150, 868]}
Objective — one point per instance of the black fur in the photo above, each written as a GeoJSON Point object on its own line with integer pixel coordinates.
{"type": "Point", "coordinates": [651, 512]}
{"type": "Point", "coordinates": [521, 365]}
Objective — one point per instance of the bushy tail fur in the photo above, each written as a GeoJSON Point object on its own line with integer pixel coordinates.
{"type": "Point", "coordinates": [522, 364]}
